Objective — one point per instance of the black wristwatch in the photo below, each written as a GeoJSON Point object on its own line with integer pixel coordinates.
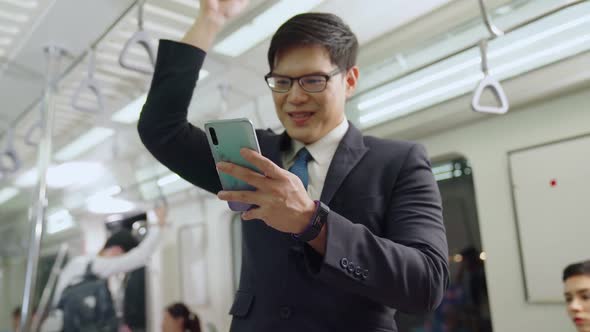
{"type": "Point", "coordinates": [316, 223]}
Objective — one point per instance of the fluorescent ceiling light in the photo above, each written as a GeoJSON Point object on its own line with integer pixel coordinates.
{"type": "Point", "coordinates": [189, 3]}
{"type": "Point", "coordinates": [170, 178]}
{"type": "Point", "coordinates": [26, 179]}
{"type": "Point", "coordinates": [107, 205]}
{"type": "Point", "coordinates": [59, 221]}
{"type": "Point", "coordinates": [403, 107]}
{"type": "Point", "coordinates": [64, 175]}
{"type": "Point", "coordinates": [262, 26]}
{"type": "Point", "coordinates": [7, 194]}
{"type": "Point", "coordinates": [74, 173]}
{"type": "Point", "coordinates": [111, 191]}
{"type": "Point", "coordinates": [21, 3]}
{"type": "Point", "coordinates": [130, 113]}
{"type": "Point", "coordinates": [11, 16]}
{"type": "Point", "coordinates": [407, 95]}
{"type": "Point", "coordinates": [416, 84]}
{"type": "Point", "coordinates": [9, 29]}
{"type": "Point", "coordinates": [84, 143]}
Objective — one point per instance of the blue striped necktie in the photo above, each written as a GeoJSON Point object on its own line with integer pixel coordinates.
{"type": "Point", "coordinates": [299, 167]}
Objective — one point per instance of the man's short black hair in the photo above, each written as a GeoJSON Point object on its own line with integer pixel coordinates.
{"type": "Point", "coordinates": [576, 269]}
{"type": "Point", "coordinates": [316, 29]}
{"type": "Point", "coordinates": [123, 239]}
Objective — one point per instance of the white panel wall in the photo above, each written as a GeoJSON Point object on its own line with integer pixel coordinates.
{"type": "Point", "coordinates": [551, 185]}
{"type": "Point", "coordinates": [486, 144]}
{"type": "Point", "coordinates": [166, 280]}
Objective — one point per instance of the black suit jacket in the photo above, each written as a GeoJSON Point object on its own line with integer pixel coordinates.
{"type": "Point", "coordinates": [386, 244]}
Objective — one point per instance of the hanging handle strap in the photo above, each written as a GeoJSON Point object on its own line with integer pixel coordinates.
{"type": "Point", "coordinates": [91, 84]}
{"type": "Point", "coordinates": [9, 160]}
{"type": "Point", "coordinates": [142, 39]}
{"type": "Point", "coordinates": [490, 82]}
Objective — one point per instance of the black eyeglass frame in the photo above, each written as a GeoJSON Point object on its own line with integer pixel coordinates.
{"type": "Point", "coordinates": [327, 76]}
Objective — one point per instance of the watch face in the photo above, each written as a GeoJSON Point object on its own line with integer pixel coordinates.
{"type": "Point", "coordinates": [316, 224]}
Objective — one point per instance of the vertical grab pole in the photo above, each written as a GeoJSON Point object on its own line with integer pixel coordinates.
{"type": "Point", "coordinates": [45, 301]}
{"type": "Point", "coordinates": [38, 210]}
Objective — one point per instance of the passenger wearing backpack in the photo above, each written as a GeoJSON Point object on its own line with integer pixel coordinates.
{"type": "Point", "coordinates": [82, 299]}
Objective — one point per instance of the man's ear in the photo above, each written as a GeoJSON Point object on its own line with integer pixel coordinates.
{"type": "Point", "coordinates": [351, 78]}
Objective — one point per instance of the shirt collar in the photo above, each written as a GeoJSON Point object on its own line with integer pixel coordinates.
{"type": "Point", "coordinates": [323, 149]}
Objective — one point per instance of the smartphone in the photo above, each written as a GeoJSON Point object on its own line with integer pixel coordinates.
{"type": "Point", "coordinates": [226, 138]}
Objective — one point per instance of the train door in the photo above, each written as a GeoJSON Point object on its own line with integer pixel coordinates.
{"type": "Point", "coordinates": [465, 306]}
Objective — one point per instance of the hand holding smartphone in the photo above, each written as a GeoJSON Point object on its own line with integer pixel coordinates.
{"type": "Point", "coordinates": [226, 138]}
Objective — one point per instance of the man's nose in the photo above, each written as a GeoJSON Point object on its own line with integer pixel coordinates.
{"type": "Point", "coordinates": [575, 305]}
{"type": "Point", "coordinates": [297, 95]}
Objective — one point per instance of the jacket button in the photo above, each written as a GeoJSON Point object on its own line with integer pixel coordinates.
{"type": "Point", "coordinates": [351, 267]}
{"type": "Point", "coordinates": [285, 312]}
{"type": "Point", "coordinates": [358, 272]}
{"type": "Point", "coordinates": [365, 274]}
{"type": "Point", "coordinates": [344, 263]}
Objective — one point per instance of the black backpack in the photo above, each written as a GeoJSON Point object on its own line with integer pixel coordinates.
{"type": "Point", "coordinates": [134, 304]}
{"type": "Point", "coordinates": [87, 306]}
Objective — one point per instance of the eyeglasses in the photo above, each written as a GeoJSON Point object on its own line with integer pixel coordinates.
{"type": "Point", "coordinates": [309, 83]}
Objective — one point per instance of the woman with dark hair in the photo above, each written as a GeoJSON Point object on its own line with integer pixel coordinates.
{"type": "Point", "coordinates": [178, 318]}
{"type": "Point", "coordinates": [576, 279]}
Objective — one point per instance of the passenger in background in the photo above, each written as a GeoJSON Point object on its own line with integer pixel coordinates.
{"type": "Point", "coordinates": [120, 254]}
{"type": "Point", "coordinates": [16, 319]}
{"type": "Point", "coordinates": [178, 318]}
{"type": "Point", "coordinates": [576, 279]}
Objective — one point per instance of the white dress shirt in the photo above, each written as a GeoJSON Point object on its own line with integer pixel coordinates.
{"type": "Point", "coordinates": [322, 152]}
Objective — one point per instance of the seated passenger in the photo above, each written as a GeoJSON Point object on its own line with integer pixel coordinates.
{"type": "Point", "coordinates": [576, 279]}
{"type": "Point", "coordinates": [178, 318]}
{"type": "Point", "coordinates": [120, 254]}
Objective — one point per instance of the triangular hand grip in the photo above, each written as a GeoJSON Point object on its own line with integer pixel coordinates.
{"type": "Point", "coordinates": [9, 161]}
{"type": "Point", "coordinates": [143, 39]}
{"type": "Point", "coordinates": [33, 135]}
{"type": "Point", "coordinates": [490, 82]}
{"type": "Point", "coordinates": [92, 85]}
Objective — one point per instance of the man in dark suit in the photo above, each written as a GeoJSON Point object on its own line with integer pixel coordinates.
{"type": "Point", "coordinates": [348, 228]}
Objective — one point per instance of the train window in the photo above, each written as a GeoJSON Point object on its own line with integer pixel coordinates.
{"type": "Point", "coordinates": [465, 306]}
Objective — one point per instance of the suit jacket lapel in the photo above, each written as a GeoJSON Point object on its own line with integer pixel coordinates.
{"type": "Point", "coordinates": [349, 152]}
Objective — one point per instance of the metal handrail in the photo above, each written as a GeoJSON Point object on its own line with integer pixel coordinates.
{"type": "Point", "coordinates": [39, 209]}
{"type": "Point", "coordinates": [44, 302]}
